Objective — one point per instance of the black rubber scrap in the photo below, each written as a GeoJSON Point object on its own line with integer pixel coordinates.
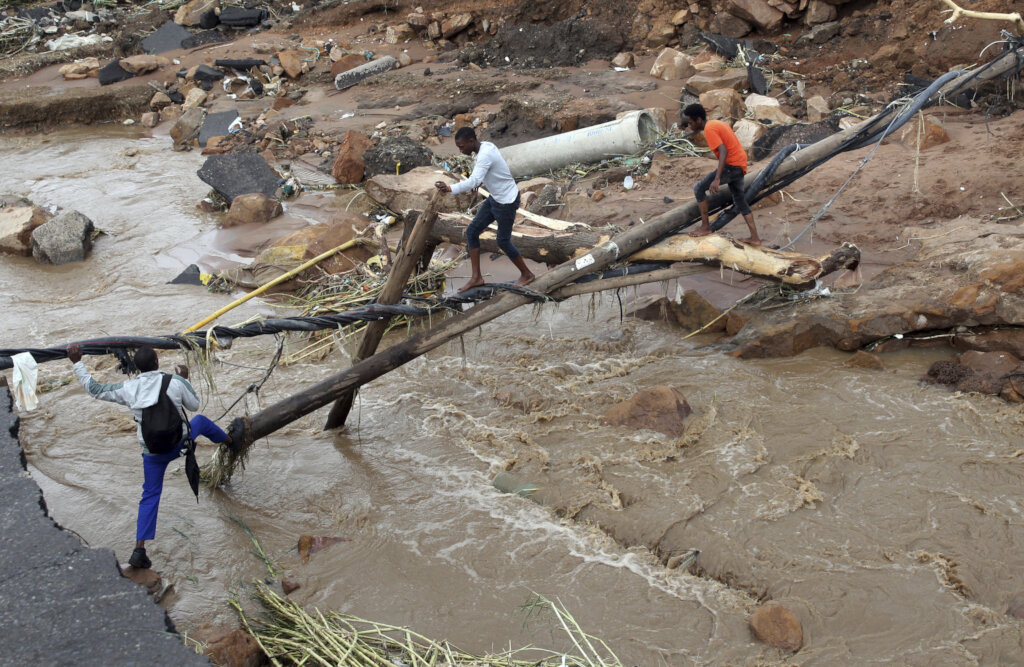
{"type": "Point", "coordinates": [236, 174]}
{"type": "Point", "coordinates": [112, 72]}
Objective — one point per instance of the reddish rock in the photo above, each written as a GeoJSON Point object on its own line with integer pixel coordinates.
{"type": "Point", "coordinates": [289, 586]}
{"type": "Point", "coordinates": [147, 578]}
{"type": "Point", "coordinates": [252, 208]}
{"type": "Point", "coordinates": [933, 134]}
{"type": "Point", "coordinates": [317, 239]}
{"type": "Point", "coordinates": [777, 626]}
{"type": "Point", "coordinates": [661, 409]}
{"type": "Point", "coordinates": [347, 62]}
{"type": "Point", "coordinates": [234, 648]}
{"type": "Point", "coordinates": [758, 12]}
{"type": "Point", "coordinates": [996, 364]}
{"type": "Point", "coordinates": [190, 13]}
{"type": "Point", "coordinates": [1008, 276]}
{"type": "Point", "coordinates": [349, 165]}
{"type": "Point", "coordinates": [291, 61]}
{"type": "Point", "coordinates": [862, 359]}
{"type": "Point", "coordinates": [281, 102]}
{"type": "Point", "coordinates": [694, 312]}
{"type": "Point", "coordinates": [310, 544]}
{"type": "Point", "coordinates": [597, 196]}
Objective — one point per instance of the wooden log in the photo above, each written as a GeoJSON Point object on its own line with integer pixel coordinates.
{"type": "Point", "coordinates": [247, 430]}
{"type": "Point", "coordinates": [406, 262]}
{"type": "Point", "coordinates": [788, 267]}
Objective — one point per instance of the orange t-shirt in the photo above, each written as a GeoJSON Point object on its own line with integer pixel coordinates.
{"type": "Point", "coordinates": [718, 133]}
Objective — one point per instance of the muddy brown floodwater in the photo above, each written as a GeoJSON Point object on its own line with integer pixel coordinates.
{"type": "Point", "coordinates": [886, 513]}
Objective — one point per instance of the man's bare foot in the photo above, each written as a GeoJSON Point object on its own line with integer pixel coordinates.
{"type": "Point", "coordinates": [701, 232]}
{"type": "Point", "coordinates": [475, 281]}
{"type": "Point", "coordinates": [525, 279]}
{"type": "Point", "coordinates": [752, 241]}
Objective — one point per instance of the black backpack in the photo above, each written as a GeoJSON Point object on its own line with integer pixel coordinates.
{"type": "Point", "coordinates": [162, 425]}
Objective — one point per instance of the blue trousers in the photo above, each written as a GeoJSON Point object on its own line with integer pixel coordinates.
{"type": "Point", "coordinates": [153, 468]}
{"type": "Point", "coordinates": [491, 211]}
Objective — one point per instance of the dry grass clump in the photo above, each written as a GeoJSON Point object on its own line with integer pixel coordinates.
{"type": "Point", "coordinates": [290, 635]}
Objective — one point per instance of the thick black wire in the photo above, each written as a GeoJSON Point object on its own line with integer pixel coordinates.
{"type": "Point", "coordinates": [121, 346]}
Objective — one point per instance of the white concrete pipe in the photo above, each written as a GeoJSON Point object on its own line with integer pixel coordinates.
{"type": "Point", "coordinates": [588, 145]}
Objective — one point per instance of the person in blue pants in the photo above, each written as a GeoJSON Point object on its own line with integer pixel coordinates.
{"type": "Point", "coordinates": [138, 394]}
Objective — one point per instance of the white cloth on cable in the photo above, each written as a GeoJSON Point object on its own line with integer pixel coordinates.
{"type": "Point", "coordinates": [25, 374]}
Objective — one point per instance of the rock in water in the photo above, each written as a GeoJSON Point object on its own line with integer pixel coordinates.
{"type": "Point", "coordinates": [777, 626]}
{"type": "Point", "coordinates": [661, 409]}
{"type": "Point", "coordinates": [66, 238]}
{"type": "Point", "coordinates": [16, 226]}
{"type": "Point", "coordinates": [250, 208]}
{"type": "Point", "coordinates": [239, 174]}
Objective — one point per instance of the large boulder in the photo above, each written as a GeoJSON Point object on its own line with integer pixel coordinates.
{"type": "Point", "coordinates": [16, 226]}
{"type": "Point", "coordinates": [748, 132]}
{"type": "Point", "coordinates": [238, 174]}
{"type": "Point", "coordinates": [399, 34]}
{"type": "Point", "coordinates": [777, 626]}
{"type": "Point", "coordinates": [819, 11]}
{"type": "Point", "coordinates": [413, 190]}
{"type": "Point", "coordinates": [672, 65]}
{"type": "Point", "coordinates": [396, 156]}
{"type": "Point", "coordinates": [65, 238]}
{"type": "Point", "coordinates": [252, 208]}
{"type": "Point", "coordinates": [192, 12]}
{"type": "Point", "coordinates": [758, 12]}
{"type": "Point", "coordinates": [723, 103]}
{"type": "Point", "coordinates": [764, 108]}
{"type": "Point", "coordinates": [730, 77]}
{"type": "Point", "coordinates": [661, 409]}
{"type": "Point", "coordinates": [349, 166]}
{"type": "Point", "coordinates": [453, 25]}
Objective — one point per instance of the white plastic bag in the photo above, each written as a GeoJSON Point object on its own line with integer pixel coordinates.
{"type": "Point", "coordinates": [25, 375]}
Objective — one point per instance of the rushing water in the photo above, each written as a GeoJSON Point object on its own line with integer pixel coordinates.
{"type": "Point", "coordinates": [886, 513]}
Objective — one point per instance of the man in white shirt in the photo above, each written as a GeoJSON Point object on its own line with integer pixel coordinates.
{"type": "Point", "coordinates": [490, 170]}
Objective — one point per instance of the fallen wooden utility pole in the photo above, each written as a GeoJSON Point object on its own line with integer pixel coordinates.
{"type": "Point", "coordinates": [788, 267]}
{"type": "Point", "coordinates": [245, 430]}
{"type": "Point", "coordinates": [408, 257]}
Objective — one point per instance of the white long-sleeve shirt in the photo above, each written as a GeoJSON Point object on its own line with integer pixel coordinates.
{"type": "Point", "coordinates": [491, 171]}
{"type": "Point", "coordinates": [140, 393]}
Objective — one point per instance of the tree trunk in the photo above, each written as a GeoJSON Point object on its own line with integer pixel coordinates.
{"type": "Point", "coordinates": [408, 257]}
{"type": "Point", "coordinates": [788, 267]}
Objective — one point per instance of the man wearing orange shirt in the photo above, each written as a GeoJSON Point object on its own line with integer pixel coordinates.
{"type": "Point", "coordinates": [732, 165]}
